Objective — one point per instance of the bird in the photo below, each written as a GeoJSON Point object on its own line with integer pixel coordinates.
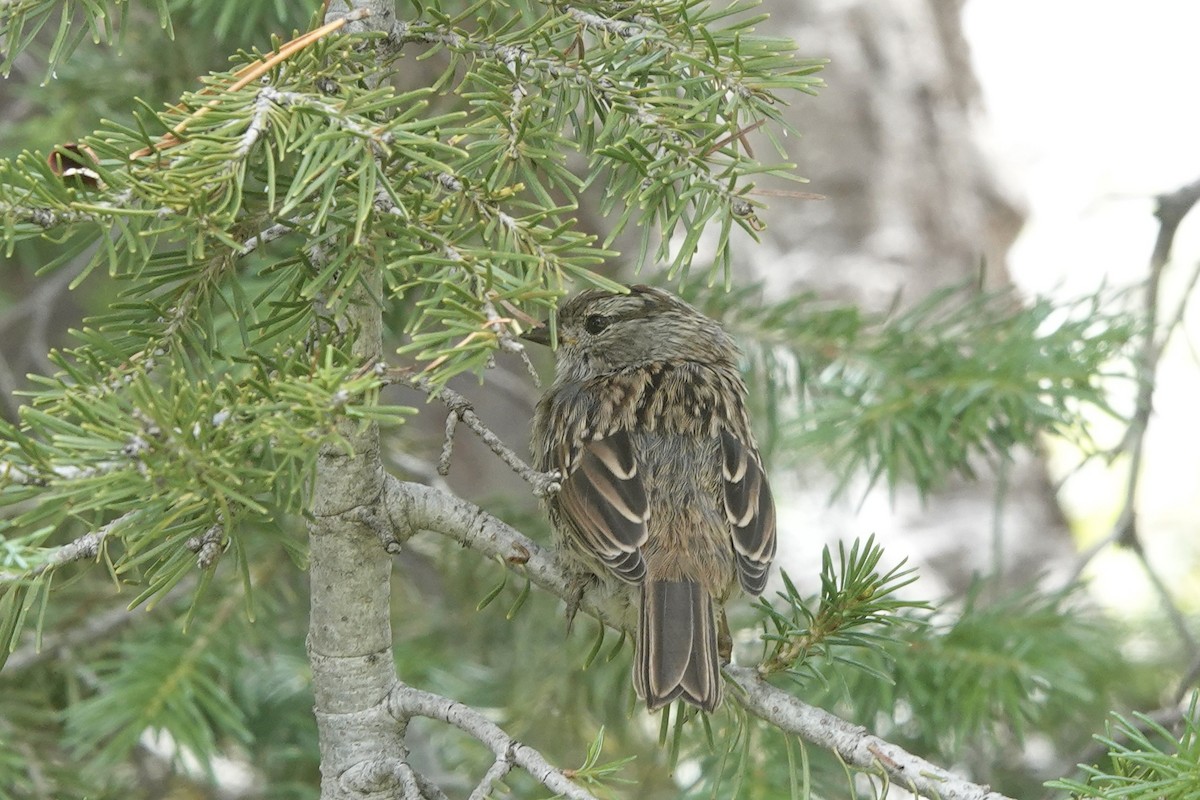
{"type": "Point", "coordinates": [662, 485]}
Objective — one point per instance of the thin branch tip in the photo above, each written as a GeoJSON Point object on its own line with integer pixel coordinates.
{"type": "Point", "coordinates": [461, 409]}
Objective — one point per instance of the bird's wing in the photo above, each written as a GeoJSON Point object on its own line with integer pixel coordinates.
{"type": "Point", "coordinates": [605, 500]}
{"type": "Point", "coordinates": [750, 510]}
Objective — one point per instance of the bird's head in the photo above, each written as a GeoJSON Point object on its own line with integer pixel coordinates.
{"type": "Point", "coordinates": [600, 332]}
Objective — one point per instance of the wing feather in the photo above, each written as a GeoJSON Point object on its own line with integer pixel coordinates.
{"type": "Point", "coordinates": [605, 500]}
{"type": "Point", "coordinates": [750, 509]}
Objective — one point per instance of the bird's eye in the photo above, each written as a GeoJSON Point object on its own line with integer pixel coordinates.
{"type": "Point", "coordinates": [595, 323]}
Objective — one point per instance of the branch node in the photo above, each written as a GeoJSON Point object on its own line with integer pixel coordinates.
{"type": "Point", "coordinates": [207, 546]}
{"type": "Point", "coordinates": [379, 524]}
{"type": "Point", "coordinates": [546, 484]}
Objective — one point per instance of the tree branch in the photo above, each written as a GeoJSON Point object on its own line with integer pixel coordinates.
{"type": "Point", "coordinates": [415, 507]}
{"type": "Point", "coordinates": [266, 235]}
{"type": "Point", "coordinates": [853, 743]}
{"type": "Point", "coordinates": [600, 84]}
{"type": "Point", "coordinates": [405, 702]}
{"type": "Point", "coordinates": [1171, 209]}
{"type": "Point", "coordinates": [82, 547]}
{"type": "Point", "coordinates": [543, 483]}
{"type": "Point", "coordinates": [98, 211]}
{"type": "Point", "coordinates": [500, 767]}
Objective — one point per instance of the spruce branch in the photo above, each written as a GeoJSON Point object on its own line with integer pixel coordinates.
{"type": "Point", "coordinates": [999, 668]}
{"type": "Point", "coordinates": [856, 605]}
{"type": "Point", "coordinates": [82, 548]}
{"type": "Point", "coordinates": [1146, 761]}
{"type": "Point", "coordinates": [663, 140]}
{"type": "Point", "coordinates": [924, 394]}
{"type": "Point", "coordinates": [100, 211]}
{"type": "Point", "coordinates": [167, 681]}
{"type": "Point", "coordinates": [247, 75]}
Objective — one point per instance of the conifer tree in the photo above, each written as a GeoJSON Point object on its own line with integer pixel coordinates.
{"type": "Point", "coordinates": [273, 253]}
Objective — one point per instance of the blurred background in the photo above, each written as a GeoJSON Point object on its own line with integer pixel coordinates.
{"type": "Point", "coordinates": [985, 142]}
{"type": "Point", "coordinates": [1078, 119]}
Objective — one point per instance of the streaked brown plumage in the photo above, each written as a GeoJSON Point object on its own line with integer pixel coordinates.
{"type": "Point", "coordinates": [663, 486]}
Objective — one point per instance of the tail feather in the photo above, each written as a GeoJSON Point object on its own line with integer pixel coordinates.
{"type": "Point", "coordinates": [677, 646]}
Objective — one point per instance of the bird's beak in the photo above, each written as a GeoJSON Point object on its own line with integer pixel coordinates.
{"type": "Point", "coordinates": [538, 335]}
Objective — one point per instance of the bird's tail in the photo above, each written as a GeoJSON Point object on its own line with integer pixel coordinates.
{"type": "Point", "coordinates": [677, 646]}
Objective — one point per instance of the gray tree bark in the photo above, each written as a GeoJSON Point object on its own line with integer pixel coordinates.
{"type": "Point", "coordinates": [349, 642]}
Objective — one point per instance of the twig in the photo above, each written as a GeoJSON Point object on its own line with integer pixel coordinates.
{"type": "Point", "coordinates": [507, 341]}
{"type": "Point", "coordinates": [86, 546]}
{"type": "Point", "coordinates": [405, 702]}
{"type": "Point", "coordinates": [258, 122]}
{"type": "Point", "coordinates": [443, 466]}
{"type": "Point", "coordinates": [420, 469]}
{"type": "Point", "coordinates": [424, 508]}
{"type": "Point", "coordinates": [1185, 683]}
{"type": "Point", "coordinates": [620, 96]}
{"type": "Point", "coordinates": [499, 326]}
{"type": "Point", "coordinates": [1171, 210]}
{"type": "Point", "coordinates": [415, 506]}
{"type": "Point", "coordinates": [331, 112]}
{"type": "Point", "coordinates": [247, 75]}
{"type": "Point", "coordinates": [269, 234]}
{"type": "Point", "coordinates": [1178, 620]}
{"type": "Point", "coordinates": [122, 204]}
{"type": "Point", "coordinates": [500, 767]}
{"type": "Point", "coordinates": [543, 483]}
{"type": "Point", "coordinates": [1184, 296]}
{"type": "Point", "coordinates": [23, 475]}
